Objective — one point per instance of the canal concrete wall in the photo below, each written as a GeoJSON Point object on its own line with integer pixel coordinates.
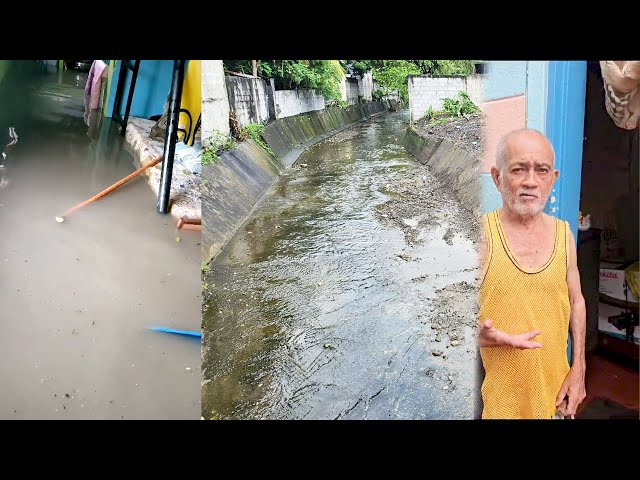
{"type": "Point", "coordinates": [451, 164]}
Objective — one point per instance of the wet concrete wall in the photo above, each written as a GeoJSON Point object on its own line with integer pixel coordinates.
{"type": "Point", "coordinates": [248, 99]}
{"type": "Point", "coordinates": [233, 186]}
{"type": "Point", "coordinates": [429, 91]}
{"type": "Point", "coordinates": [365, 86]}
{"type": "Point", "coordinates": [294, 102]}
{"type": "Point", "coordinates": [353, 90]}
{"type": "Point", "coordinates": [215, 101]}
{"type": "Point", "coordinates": [453, 165]}
{"type": "Point", "coordinates": [230, 189]}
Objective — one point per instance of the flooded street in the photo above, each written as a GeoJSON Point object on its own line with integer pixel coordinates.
{"type": "Point", "coordinates": [349, 293]}
{"type": "Point", "coordinates": [78, 297]}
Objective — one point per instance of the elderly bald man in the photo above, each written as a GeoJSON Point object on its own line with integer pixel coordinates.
{"type": "Point", "coordinates": [530, 295]}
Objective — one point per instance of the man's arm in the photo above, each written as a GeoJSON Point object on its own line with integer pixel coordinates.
{"type": "Point", "coordinates": [573, 385]}
{"type": "Point", "coordinates": [578, 319]}
{"type": "Point", "coordinates": [492, 337]}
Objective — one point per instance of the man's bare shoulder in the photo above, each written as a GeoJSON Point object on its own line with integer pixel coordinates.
{"type": "Point", "coordinates": [548, 218]}
{"type": "Point", "coordinates": [549, 221]}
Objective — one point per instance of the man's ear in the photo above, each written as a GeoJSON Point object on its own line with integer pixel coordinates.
{"type": "Point", "coordinates": [495, 174]}
{"type": "Point", "coordinates": [556, 173]}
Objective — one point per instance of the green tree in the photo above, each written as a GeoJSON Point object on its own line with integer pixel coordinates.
{"type": "Point", "coordinates": [321, 75]}
{"type": "Point", "coordinates": [450, 67]}
{"type": "Point", "coordinates": [391, 75]}
{"type": "Point", "coordinates": [325, 75]}
{"type": "Point", "coordinates": [359, 67]}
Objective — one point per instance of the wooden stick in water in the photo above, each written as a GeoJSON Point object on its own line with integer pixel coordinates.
{"type": "Point", "coordinates": [107, 190]}
{"type": "Point", "coordinates": [187, 223]}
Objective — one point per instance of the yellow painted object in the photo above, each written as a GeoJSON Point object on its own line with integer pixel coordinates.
{"type": "Point", "coordinates": [191, 100]}
{"type": "Point", "coordinates": [112, 67]}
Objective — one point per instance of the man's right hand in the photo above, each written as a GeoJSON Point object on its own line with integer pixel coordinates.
{"type": "Point", "coordinates": [491, 337]}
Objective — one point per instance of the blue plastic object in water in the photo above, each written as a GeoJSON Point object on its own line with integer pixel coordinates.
{"type": "Point", "coordinates": [177, 332]}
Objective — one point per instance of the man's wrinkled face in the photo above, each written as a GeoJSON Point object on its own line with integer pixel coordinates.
{"type": "Point", "coordinates": [526, 179]}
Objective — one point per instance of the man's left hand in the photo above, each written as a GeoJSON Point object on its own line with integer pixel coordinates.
{"type": "Point", "coordinates": [572, 387]}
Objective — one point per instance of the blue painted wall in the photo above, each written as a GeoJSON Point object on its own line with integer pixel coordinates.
{"type": "Point", "coordinates": [567, 85]}
{"type": "Point", "coordinates": [536, 95]}
{"type": "Point", "coordinates": [491, 198]}
{"type": "Point", "coordinates": [505, 79]}
{"type": "Point", "coordinates": [152, 88]}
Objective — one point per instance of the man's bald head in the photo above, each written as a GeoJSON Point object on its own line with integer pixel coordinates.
{"type": "Point", "coordinates": [524, 173]}
{"type": "Point", "coordinates": [524, 137]}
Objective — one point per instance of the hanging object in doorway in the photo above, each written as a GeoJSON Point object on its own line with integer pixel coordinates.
{"type": "Point", "coordinates": [622, 92]}
{"type": "Point", "coordinates": [98, 73]}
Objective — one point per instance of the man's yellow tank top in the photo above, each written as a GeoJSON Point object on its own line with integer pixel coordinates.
{"type": "Point", "coordinates": [519, 383]}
